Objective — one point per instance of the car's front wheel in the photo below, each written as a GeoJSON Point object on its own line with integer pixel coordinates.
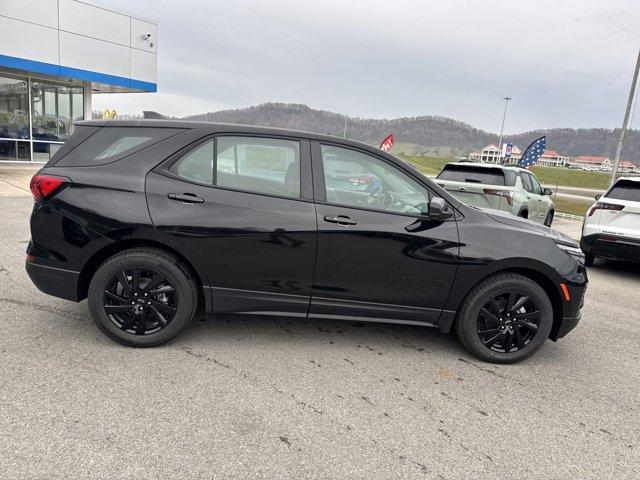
{"type": "Point", "coordinates": [589, 260]}
{"type": "Point", "coordinates": [505, 318]}
{"type": "Point", "coordinates": [142, 297]}
{"type": "Point", "coordinates": [549, 218]}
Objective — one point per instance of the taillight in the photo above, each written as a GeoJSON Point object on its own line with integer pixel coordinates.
{"type": "Point", "coordinates": [43, 186]}
{"type": "Point", "coordinates": [604, 206]}
{"type": "Point", "coordinates": [508, 195]}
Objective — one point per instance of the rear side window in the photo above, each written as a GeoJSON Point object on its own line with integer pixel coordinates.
{"type": "Point", "coordinates": [535, 185]}
{"type": "Point", "coordinates": [252, 164]}
{"type": "Point", "coordinates": [625, 190]}
{"type": "Point", "coordinates": [109, 144]}
{"type": "Point", "coordinates": [471, 174]}
{"type": "Point", "coordinates": [526, 182]}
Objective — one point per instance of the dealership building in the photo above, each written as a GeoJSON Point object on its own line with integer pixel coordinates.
{"type": "Point", "coordinates": [54, 55]}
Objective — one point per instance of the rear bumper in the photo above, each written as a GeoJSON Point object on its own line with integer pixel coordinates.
{"type": "Point", "coordinates": [611, 246]}
{"type": "Point", "coordinates": [54, 281]}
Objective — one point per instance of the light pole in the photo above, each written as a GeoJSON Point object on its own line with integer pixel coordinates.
{"type": "Point", "coordinates": [616, 160]}
{"type": "Point", "coordinates": [504, 116]}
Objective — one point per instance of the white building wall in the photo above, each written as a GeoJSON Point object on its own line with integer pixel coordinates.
{"type": "Point", "coordinates": [80, 35]}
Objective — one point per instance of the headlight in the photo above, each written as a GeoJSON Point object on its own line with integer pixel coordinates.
{"type": "Point", "coordinates": [573, 251]}
{"type": "Point", "coordinates": [568, 245]}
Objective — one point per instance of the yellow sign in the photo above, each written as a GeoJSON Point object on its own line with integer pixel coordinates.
{"type": "Point", "coordinates": [109, 114]}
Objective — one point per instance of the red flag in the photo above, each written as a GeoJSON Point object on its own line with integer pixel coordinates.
{"type": "Point", "coordinates": [387, 143]}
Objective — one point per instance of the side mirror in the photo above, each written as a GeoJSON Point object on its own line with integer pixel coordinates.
{"type": "Point", "coordinates": [598, 196]}
{"type": "Point", "coordinates": [547, 191]}
{"type": "Point", "coordinates": [439, 209]}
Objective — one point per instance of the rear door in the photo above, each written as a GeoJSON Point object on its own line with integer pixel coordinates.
{"type": "Point", "coordinates": [242, 206]}
{"type": "Point", "coordinates": [379, 253]}
{"type": "Point", "coordinates": [621, 214]}
{"type": "Point", "coordinates": [539, 203]}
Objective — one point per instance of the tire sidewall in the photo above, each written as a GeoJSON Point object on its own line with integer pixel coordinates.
{"type": "Point", "coordinates": [106, 273]}
{"type": "Point", "coordinates": [480, 298]}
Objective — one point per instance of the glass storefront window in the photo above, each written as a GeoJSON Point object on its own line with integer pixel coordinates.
{"type": "Point", "coordinates": [14, 109]}
{"type": "Point", "coordinates": [55, 108]}
{"type": "Point", "coordinates": [14, 150]}
{"type": "Point", "coordinates": [42, 152]}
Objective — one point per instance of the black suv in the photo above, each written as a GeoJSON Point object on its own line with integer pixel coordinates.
{"type": "Point", "coordinates": [149, 218]}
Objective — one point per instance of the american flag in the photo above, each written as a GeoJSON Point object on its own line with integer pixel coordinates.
{"type": "Point", "coordinates": [533, 153]}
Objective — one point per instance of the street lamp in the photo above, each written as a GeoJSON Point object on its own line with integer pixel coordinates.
{"type": "Point", "coordinates": [504, 116]}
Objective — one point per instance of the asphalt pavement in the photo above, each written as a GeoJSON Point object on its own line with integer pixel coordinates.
{"type": "Point", "coordinates": [249, 397]}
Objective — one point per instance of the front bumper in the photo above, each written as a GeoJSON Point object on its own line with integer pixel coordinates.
{"type": "Point", "coordinates": [615, 247]}
{"type": "Point", "coordinates": [54, 281]}
{"type": "Point", "coordinates": [571, 311]}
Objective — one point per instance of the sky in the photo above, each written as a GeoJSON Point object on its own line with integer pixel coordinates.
{"type": "Point", "coordinates": [565, 63]}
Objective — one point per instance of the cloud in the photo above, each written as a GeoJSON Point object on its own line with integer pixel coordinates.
{"type": "Point", "coordinates": [565, 63]}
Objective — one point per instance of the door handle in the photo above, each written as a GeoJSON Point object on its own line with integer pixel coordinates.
{"type": "Point", "coordinates": [340, 220]}
{"type": "Point", "coordinates": [185, 197]}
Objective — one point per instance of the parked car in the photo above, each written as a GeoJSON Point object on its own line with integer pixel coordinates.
{"type": "Point", "coordinates": [611, 226]}
{"type": "Point", "coordinates": [510, 189]}
{"type": "Point", "coordinates": [148, 218]}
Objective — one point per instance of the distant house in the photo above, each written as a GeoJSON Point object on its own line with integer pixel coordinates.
{"type": "Point", "coordinates": [628, 167]}
{"type": "Point", "coordinates": [551, 158]}
{"type": "Point", "coordinates": [592, 163]}
{"type": "Point", "coordinates": [493, 154]}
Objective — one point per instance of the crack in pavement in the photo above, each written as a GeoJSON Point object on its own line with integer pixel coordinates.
{"type": "Point", "coordinates": [307, 406]}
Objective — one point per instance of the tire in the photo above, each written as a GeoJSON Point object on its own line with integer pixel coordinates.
{"type": "Point", "coordinates": [589, 260]}
{"type": "Point", "coordinates": [176, 308]}
{"type": "Point", "coordinates": [469, 319]}
{"type": "Point", "coordinates": [523, 214]}
{"type": "Point", "coordinates": [549, 218]}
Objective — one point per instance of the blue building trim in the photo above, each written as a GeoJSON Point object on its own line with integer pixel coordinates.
{"type": "Point", "coordinates": [75, 73]}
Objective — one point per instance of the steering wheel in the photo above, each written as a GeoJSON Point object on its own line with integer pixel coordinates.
{"type": "Point", "coordinates": [381, 200]}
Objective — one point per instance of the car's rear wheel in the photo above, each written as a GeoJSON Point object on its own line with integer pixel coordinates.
{"type": "Point", "coordinates": [549, 218]}
{"type": "Point", "coordinates": [142, 297]}
{"type": "Point", "coordinates": [504, 319]}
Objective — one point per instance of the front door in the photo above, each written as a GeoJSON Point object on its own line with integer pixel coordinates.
{"type": "Point", "coordinates": [237, 205]}
{"type": "Point", "coordinates": [379, 253]}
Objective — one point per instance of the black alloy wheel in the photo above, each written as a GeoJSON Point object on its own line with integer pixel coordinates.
{"type": "Point", "coordinates": [505, 318]}
{"type": "Point", "coordinates": [508, 322]}
{"type": "Point", "coordinates": [140, 301]}
{"type": "Point", "coordinates": [143, 297]}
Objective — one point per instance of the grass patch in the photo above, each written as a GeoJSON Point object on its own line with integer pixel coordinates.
{"type": "Point", "coordinates": [572, 205]}
{"type": "Point", "coordinates": [427, 165]}
{"type": "Point", "coordinates": [572, 178]}
{"type": "Point", "coordinates": [546, 175]}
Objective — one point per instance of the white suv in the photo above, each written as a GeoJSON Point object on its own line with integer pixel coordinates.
{"type": "Point", "coordinates": [612, 225]}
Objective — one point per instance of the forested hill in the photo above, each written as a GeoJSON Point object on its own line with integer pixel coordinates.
{"type": "Point", "coordinates": [426, 134]}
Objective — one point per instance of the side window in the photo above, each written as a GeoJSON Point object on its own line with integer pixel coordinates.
{"type": "Point", "coordinates": [359, 180]}
{"type": "Point", "coordinates": [254, 164]}
{"type": "Point", "coordinates": [537, 189]}
{"type": "Point", "coordinates": [261, 165]}
{"type": "Point", "coordinates": [197, 164]}
{"type": "Point", "coordinates": [526, 182]}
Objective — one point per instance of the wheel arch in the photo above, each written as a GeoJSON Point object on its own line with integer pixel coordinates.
{"type": "Point", "coordinates": [540, 278]}
{"type": "Point", "coordinates": [99, 257]}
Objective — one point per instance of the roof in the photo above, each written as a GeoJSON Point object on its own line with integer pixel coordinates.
{"type": "Point", "coordinates": [552, 153]}
{"type": "Point", "coordinates": [627, 164]}
{"type": "Point", "coordinates": [590, 159]}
